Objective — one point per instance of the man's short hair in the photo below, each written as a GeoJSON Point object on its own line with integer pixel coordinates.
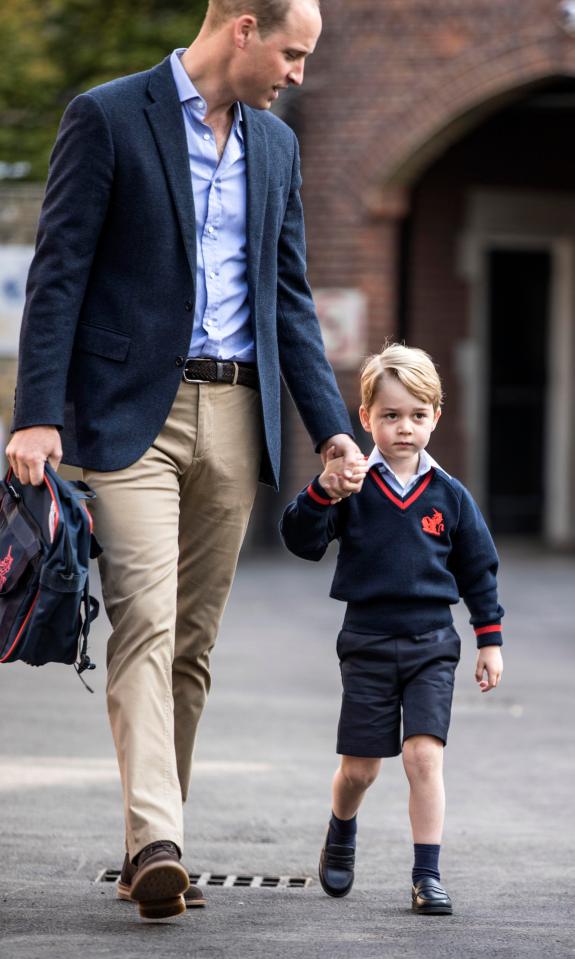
{"type": "Point", "coordinates": [270, 14]}
{"type": "Point", "coordinates": [413, 368]}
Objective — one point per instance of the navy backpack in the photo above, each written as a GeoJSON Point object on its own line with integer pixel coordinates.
{"type": "Point", "coordinates": [46, 541]}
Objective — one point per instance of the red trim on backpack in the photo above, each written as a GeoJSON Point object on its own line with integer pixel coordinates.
{"type": "Point", "coordinates": [403, 504]}
{"type": "Point", "coordinates": [89, 515]}
{"type": "Point", "coordinates": [23, 626]}
{"type": "Point", "coordinates": [54, 501]}
{"type": "Point", "coordinates": [487, 629]}
{"type": "Point", "coordinates": [316, 497]}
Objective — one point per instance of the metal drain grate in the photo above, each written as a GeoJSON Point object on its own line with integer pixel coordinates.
{"type": "Point", "coordinates": [228, 881]}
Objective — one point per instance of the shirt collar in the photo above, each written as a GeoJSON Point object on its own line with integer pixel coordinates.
{"type": "Point", "coordinates": [426, 461]}
{"type": "Point", "coordinates": [189, 95]}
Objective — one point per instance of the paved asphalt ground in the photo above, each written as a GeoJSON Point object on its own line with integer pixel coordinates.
{"type": "Point", "coordinates": [260, 797]}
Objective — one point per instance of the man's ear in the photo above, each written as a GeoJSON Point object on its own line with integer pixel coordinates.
{"type": "Point", "coordinates": [364, 418]}
{"type": "Point", "coordinates": [244, 29]}
{"type": "Point", "coordinates": [436, 416]}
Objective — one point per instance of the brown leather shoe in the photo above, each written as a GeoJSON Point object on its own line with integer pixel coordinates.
{"type": "Point", "coordinates": [193, 896]}
{"type": "Point", "coordinates": [159, 881]}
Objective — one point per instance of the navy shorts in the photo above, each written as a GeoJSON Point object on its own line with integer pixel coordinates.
{"type": "Point", "coordinates": [388, 680]}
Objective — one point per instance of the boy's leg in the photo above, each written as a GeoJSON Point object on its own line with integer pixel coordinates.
{"type": "Point", "coordinates": [428, 663]}
{"type": "Point", "coordinates": [336, 868]}
{"type": "Point", "coordinates": [423, 764]}
{"type": "Point", "coordinates": [350, 782]}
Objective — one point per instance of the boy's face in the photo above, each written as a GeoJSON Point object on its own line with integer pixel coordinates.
{"type": "Point", "coordinates": [399, 422]}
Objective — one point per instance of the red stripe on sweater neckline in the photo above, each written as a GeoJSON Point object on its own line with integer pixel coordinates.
{"type": "Point", "coordinates": [403, 504]}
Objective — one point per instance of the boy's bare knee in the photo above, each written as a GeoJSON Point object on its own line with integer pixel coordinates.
{"type": "Point", "coordinates": [422, 756]}
{"type": "Point", "coordinates": [359, 773]}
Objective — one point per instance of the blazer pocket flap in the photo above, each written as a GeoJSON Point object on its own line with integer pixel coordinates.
{"type": "Point", "coordinates": [102, 342]}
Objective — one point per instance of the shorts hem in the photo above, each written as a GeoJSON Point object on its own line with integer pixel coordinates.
{"type": "Point", "coordinates": [426, 732]}
{"type": "Point", "coordinates": [369, 752]}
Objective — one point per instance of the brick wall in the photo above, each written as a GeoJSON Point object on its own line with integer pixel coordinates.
{"type": "Point", "coordinates": [390, 88]}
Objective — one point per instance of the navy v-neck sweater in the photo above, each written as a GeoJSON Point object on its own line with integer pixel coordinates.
{"type": "Point", "coordinates": [402, 562]}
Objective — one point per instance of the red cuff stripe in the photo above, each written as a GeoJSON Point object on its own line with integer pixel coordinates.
{"type": "Point", "coordinates": [318, 499]}
{"type": "Point", "coordinates": [487, 629]}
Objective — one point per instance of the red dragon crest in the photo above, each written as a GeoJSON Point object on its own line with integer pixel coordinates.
{"type": "Point", "coordinates": [433, 525]}
{"type": "Point", "coordinates": [5, 566]}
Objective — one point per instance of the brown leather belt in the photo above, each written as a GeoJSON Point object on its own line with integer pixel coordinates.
{"type": "Point", "coordinates": [202, 370]}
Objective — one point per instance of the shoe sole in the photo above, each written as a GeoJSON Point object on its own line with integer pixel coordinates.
{"type": "Point", "coordinates": [123, 892]}
{"type": "Point", "coordinates": [158, 889]}
{"type": "Point", "coordinates": [162, 908]}
{"type": "Point", "coordinates": [329, 892]}
{"type": "Point", "coordinates": [432, 910]}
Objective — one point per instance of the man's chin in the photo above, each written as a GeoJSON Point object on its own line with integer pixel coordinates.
{"type": "Point", "coordinates": [260, 103]}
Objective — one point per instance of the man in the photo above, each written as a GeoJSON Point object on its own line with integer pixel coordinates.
{"type": "Point", "coordinates": [167, 291]}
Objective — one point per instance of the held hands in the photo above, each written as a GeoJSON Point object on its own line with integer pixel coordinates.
{"type": "Point", "coordinates": [490, 661]}
{"type": "Point", "coordinates": [342, 477]}
{"type": "Point", "coordinates": [29, 449]}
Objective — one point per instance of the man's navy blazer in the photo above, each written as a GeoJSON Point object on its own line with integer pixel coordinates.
{"type": "Point", "coordinates": [110, 295]}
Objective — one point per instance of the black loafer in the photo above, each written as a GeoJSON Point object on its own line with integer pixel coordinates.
{"type": "Point", "coordinates": [336, 865]}
{"type": "Point", "coordinates": [429, 898]}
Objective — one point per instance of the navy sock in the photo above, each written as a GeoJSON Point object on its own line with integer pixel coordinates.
{"type": "Point", "coordinates": [426, 861]}
{"type": "Point", "coordinates": [342, 831]}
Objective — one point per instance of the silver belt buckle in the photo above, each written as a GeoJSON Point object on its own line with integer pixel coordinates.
{"type": "Point", "coordinates": [188, 379]}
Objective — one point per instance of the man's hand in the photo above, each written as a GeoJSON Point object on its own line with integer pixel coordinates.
{"type": "Point", "coordinates": [330, 479]}
{"type": "Point", "coordinates": [490, 661]}
{"type": "Point", "coordinates": [343, 479]}
{"type": "Point", "coordinates": [29, 449]}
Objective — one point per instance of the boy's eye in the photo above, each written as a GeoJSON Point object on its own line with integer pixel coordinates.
{"type": "Point", "coordinates": [390, 416]}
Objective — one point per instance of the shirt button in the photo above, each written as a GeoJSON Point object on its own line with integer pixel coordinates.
{"type": "Point", "coordinates": [206, 136]}
{"type": "Point", "coordinates": [179, 360]}
{"type": "Point", "coordinates": [210, 229]}
{"type": "Point", "coordinates": [212, 275]}
{"type": "Point", "coordinates": [188, 305]}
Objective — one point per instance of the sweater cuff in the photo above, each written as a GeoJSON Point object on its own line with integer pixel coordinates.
{"type": "Point", "coordinates": [489, 635]}
{"type": "Point", "coordinates": [317, 493]}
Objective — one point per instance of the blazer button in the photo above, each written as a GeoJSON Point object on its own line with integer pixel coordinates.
{"type": "Point", "coordinates": [179, 360]}
{"type": "Point", "coordinates": [189, 306]}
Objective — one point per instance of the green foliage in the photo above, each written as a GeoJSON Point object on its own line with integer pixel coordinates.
{"type": "Point", "coordinates": [50, 50]}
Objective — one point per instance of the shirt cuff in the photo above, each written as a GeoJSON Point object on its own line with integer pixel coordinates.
{"type": "Point", "coordinates": [489, 635]}
{"type": "Point", "coordinates": [317, 493]}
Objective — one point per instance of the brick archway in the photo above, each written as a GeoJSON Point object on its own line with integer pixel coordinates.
{"type": "Point", "coordinates": [462, 100]}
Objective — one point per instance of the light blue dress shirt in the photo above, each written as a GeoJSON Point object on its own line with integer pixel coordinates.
{"type": "Point", "coordinates": [425, 463]}
{"type": "Point", "coordinates": [222, 326]}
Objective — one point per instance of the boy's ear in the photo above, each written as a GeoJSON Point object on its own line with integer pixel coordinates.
{"type": "Point", "coordinates": [364, 418]}
{"type": "Point", "coordinates": [436, 416]}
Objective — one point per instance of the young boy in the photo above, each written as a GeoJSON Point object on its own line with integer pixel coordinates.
{"type": "Point", "coordinates": [411, 542]}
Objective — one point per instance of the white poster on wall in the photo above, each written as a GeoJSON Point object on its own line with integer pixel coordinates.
{"type": "Point", "coordinates": [343, 319]}
{"type": "Point", "coordinates": [14, 265]}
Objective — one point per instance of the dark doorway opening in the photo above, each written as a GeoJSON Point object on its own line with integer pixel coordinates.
{"type": "Point", "coordinates": [519, 295]}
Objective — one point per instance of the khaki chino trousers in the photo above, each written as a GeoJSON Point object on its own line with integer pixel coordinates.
{"type": "Point", "coordinates": [171, 526]}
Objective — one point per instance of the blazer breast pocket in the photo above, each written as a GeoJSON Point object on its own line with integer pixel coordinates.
{"type": "Point", "coordinates": [102, 342]}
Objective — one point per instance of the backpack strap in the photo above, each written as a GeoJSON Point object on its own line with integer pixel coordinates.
{"type": "Point", "coordinates": [91, 610]}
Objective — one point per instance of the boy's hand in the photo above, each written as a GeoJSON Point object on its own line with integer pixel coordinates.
{"type": "Point", "coordinates": [490, 661]}
{"type": "Point", "coordinates": [331, 478]}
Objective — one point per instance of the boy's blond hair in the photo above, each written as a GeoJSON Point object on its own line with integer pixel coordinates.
{"type": "Point", "coordinates": [413, 368]}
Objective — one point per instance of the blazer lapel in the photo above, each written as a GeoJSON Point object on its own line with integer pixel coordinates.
{"type": "Point", "coordinates": [257, 190]}
{"type": "Point", "coordinates": [165, 118]}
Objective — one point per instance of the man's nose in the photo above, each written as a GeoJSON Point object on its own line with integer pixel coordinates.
{"type": "Point", "coordinates": [295, 75]}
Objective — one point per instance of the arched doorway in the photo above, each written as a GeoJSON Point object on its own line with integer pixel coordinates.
{"type": "Point", "coordinates": [488, 266]}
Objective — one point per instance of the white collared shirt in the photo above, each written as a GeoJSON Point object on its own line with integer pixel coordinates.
{"type": "Point", "coordinates": [426, 461]}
